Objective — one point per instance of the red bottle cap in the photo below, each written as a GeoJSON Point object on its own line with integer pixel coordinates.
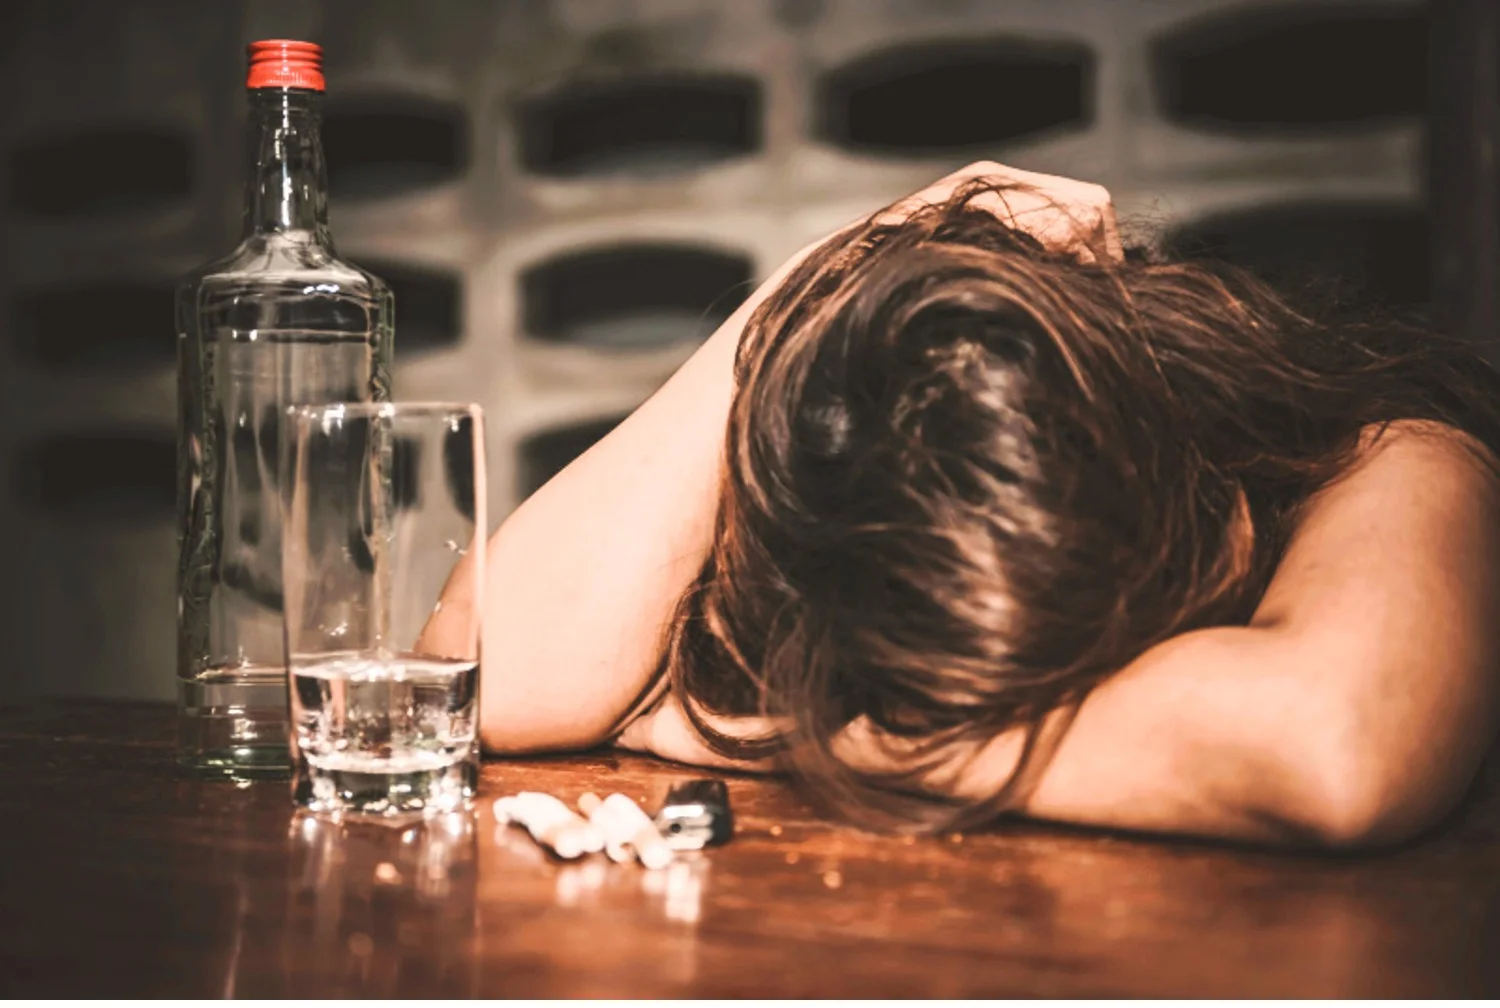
{"type": "Point", "coordinates": [282, 63]}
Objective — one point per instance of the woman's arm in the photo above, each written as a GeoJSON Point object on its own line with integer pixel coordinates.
{"type": "Point", "coordinates": [1353, 710]}
{"type": "Point", "coordinates": [583, 576]}
{"type": "Point", "coordinates": [1359, 703]}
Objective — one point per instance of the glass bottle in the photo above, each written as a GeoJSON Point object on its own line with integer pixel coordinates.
{"type": "Point", "coordinates": [279, 321]}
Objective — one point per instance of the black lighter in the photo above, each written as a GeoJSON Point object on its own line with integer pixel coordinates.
{"type": "Point", "coordinates": [696, 814]}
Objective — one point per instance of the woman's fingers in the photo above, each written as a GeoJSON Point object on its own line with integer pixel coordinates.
{"type": "Point", "coordinates": [1066, 215]}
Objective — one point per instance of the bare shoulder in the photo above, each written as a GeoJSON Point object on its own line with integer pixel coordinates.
{"type": "Point", "coordinates": [1417, 489]}
{"type": "Point", "coordinates": [1409, 472]}
{"type": "Point", "coordinates": [1418, 514]}
{"type": "Point", "coordinates": [1423, 444]}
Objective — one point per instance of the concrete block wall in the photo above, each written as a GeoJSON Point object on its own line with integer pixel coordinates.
{"type": "Point", "coordinates": [566, 194]}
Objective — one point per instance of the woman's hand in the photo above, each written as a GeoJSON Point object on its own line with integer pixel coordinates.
{"type": "Point", "coordinates": [1065, 215]}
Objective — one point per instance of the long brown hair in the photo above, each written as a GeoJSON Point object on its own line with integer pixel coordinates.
{"type": "Point", "coordinates": [968, 478]}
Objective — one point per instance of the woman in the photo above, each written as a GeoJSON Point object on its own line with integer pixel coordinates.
{"type": "Point", "coordinates": [963, 514]}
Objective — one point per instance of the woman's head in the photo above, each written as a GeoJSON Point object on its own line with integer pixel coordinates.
{"type": "Point", "coordinates": [967, 478]}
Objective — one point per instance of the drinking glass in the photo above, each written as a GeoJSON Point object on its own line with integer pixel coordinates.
{"type": "Point", "coordinates": [382, 568]}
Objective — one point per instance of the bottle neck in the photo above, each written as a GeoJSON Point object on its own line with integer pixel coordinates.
{"type": "Point", "coordinates": [287, 187]}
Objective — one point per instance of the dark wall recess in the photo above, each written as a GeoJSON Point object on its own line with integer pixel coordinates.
{"type": "Point", "coordinates": [94, 326]}
{"type": "Point", "coordinates": [1358, 254]}
{"type": "Point", "coordinates": [102, 173]}
{"type": "Point", "coordinates": [111, 478]}
{"type": "Point", "coordinates": [654, 125]}
{"type": "Point", "coordinates": [1294, 66]}
{"type": "Point", "coordinates": [633, 295]}
{"type": "Point", "coordinates": [384, 145]}
{"type": "Point", "coordinates": [114, 171]}
{"type": "Point", "coordinates": [950, 96]}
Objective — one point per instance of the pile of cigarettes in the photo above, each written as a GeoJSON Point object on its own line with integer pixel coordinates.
{"type": "Point", "coordinates": [615, 825]}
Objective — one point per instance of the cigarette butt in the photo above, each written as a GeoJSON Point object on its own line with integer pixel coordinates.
{"type": "Point", "coordinates": [551, 823]}
{"type": "Point", "coordinates": [576, 839]}
{"type": "Point", "coordinates": [652, 849]}
{"type": "Point", "coordinates": [641, 833]}
{"type": "Point", "coordinates": [628, 832]}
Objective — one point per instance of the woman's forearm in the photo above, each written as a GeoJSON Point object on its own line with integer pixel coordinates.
{"type": "Point", "coordinates": [583, 577]}
{"type": "Point", "coordinates": [1195, 737]}
{"type": "Point", "coordinates": [1357, 706]}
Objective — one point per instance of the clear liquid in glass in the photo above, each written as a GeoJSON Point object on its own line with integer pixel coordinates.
{"type": "Point", "coordinates": [385, 735]}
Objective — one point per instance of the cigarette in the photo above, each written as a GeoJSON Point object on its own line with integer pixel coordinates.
{"type": "Point", "coordinates": [618, 852]}
{"type": "Point", "coordinates": [551, 823]}
{"type": "Point", "coordinates": [627, 829]}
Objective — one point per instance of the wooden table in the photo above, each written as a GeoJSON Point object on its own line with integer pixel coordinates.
{"type": "Point", "coordinates": [123, 878]}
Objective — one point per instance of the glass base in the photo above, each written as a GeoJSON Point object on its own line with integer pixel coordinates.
{"type": "Point", "coordinates": [416, 792]}
{"type": "Point", "coordinates": [232, 723]}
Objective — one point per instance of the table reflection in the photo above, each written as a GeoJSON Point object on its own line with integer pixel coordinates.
{"type": "Point", "coordinates": [368, 907]}
{"type": "Point", "coordinates": [624, 927]}
{"type": "Point", "coordinates": [675, 893]}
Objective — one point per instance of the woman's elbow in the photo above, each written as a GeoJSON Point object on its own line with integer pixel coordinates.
{"type": "Point", "coordinates": [1357, 820]}
{"type": "Point", "coordinates": [1368, 793]}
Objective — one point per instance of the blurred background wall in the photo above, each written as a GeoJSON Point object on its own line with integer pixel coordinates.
{"type": "Point", "coordinates": [566, 195]}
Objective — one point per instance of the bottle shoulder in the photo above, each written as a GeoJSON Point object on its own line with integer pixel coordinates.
{"type": "Point", "coordinates": [280, 261]}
